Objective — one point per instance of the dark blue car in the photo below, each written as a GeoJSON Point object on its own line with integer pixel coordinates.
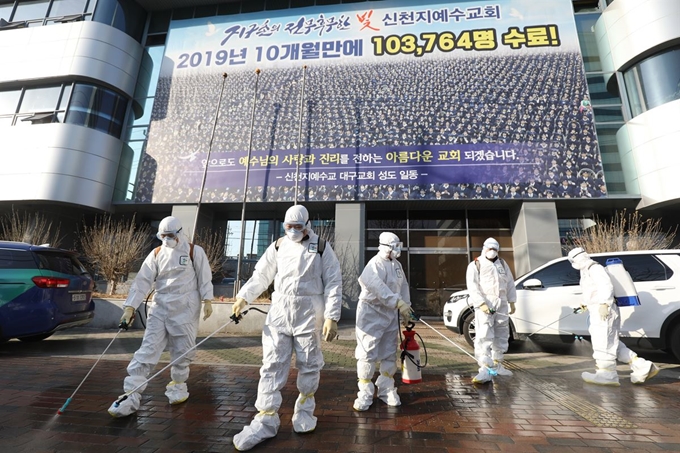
{"type": "Point", "coordinates": [42, 290]}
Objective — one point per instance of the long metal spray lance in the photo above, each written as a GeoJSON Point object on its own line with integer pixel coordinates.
{"type": "Point", "coordinates": [207, 161]}
{"type": "Point", "coordinates": [237, 282]}
{"type": "Point", "coordinates": [575, 311]}
{"type": "Point", "coordinates": [68, 401]}
{"type": "Point", "coordinates": [447, 339]}
{"type": "Point", "coordinates": [297, 164]}
{"type": "Point", "coordinates": [233, 318]}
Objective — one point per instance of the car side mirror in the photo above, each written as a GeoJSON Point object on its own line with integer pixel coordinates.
{"type": "Point", "coordinates": [532, 283]}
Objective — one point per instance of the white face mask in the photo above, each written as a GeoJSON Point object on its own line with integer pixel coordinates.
{"type": "Point", "coordinates": [170, 242]}
{"type": "Point", "coordinates": [295, 235]}
{"type": "Point", "coordinates": [491, 254]}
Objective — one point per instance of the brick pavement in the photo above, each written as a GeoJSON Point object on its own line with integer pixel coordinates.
{"type": "Point", "coordinates": [544, 408]}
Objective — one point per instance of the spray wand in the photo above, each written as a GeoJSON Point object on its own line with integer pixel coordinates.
{"type": "Point", "coordinates": [232, 319]}
{"type": "Point", "coordinates": [122, 326]}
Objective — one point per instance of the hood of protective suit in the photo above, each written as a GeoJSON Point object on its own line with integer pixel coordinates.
{"type": "Point", "coordinates": [578, 258]}
{"type": "Point", "coordinates": [388, 244]}
{"type": "Point", "coordinates": [169, 225]}
{"type": "Point", "coordinates": [297, 214]}
{"type": "Point", "coordinates": [487, 247]}
{"type": "Point", "coordinates": [491, 243]}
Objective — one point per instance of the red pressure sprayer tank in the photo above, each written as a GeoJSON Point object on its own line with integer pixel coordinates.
{"type": "Point", "coordinates": [410, 357]}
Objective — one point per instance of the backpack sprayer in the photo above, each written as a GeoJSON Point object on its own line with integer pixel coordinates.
{"type": "Point", "coordinates": [232, 319]}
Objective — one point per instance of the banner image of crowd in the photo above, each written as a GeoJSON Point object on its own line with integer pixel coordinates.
{"type": "Point", "coordinates": [381, 100]}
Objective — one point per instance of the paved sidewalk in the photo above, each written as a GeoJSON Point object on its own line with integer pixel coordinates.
{"type": "Point", "coordinates": [545, 407]}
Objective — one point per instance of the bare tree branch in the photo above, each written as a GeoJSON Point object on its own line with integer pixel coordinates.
{"type": "Point", "coordinates": [213, 242]}
{"type": "Point", "coordinates": [623, 232]}
{"type": "Point", "coordinates": [32, 228]}
{"type": "Point", "coordinates": [114, 246]}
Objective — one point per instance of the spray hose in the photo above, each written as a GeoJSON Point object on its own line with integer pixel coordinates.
{"type": "Point", "coordinates": [232, 319]}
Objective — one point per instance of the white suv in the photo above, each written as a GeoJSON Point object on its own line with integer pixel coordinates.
{"type": "Point", "coordinates": [547, 297]}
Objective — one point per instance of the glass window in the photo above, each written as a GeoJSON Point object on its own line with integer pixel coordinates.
{"type": "Point", "coordinates": [97, 108]}
{"type": "Point", "coordinates": [67, 7]}
{"type": "Point", "coordinates": [608, 114]}
{"type": "Point", "coordinates": [598, 91]}
{"type": "Point", "coordinates": [16, 259]}
{"type": "Point", "coordinates": [9, 100]}
{"type": "Point", "coordinates": [227, 9]}
{"type": "Point", "coordinates": [656, 78]}
{"type": "Point", "coordinates": [558, 274]}
{"type": "Point", "coordinates": [125, 15]}
{"type": "Point", "coordinates": [40, 99]}
{"type": "Point", "coordinates": [156, 53]}
{"type": "Point", "coordinates": [438, 238]}
{"type": "Point", "coordinates": [252, 6]}
{"type": "Point", "coordinates": [205, 11]}
{"type": "Point", "coordinates": [60, 262]}
{"type": "Point", "coordinates": [276, 4]}
{"type": "Point", "coordinates": [6, 11]}
{"type": "Point", "coordinates": [585, 26]}
{"type": "Point", "coordinates": [32, 9]}
{"type": "Point", "coordinates": [373, 236]}
{"type": "Point", "coordinates": [488, 219]}
{"type": "Point", "coordinates": [160, 22]}
{"type": "Point", "coordinates": [642, 268]}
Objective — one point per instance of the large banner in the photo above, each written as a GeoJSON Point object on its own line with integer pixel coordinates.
{"type": "Point", "coordinates": [374, 100]}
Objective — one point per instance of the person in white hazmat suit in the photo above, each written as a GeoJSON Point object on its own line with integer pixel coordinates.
{"type": "Point", "coordinates": [492, 293]}
{"type": "Point", "coordinates": [307, 290]}
{"type": "Point", "coordinates": [605, 325]}
{"type": "Point", "coordinates": [384, 294]}
{"type": "Point", "coordinates": [183, 279]}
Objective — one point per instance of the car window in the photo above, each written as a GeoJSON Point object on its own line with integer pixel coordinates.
{"type": "Point", "coordinates": [60, 262]}
{"type": "Point", "coordinates": [558, 274]}
{"type": "Point", "coordinates": [16, 259]}
{"type": "Point", "coordinates": [642, 268]}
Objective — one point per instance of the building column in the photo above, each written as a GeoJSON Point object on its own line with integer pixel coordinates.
{"type": "Point", "coordinates": [535, 235]}
{"type": "Point", "coordinates": [187, 215]}
{"type": "Point", "coordinates": [350, 233]}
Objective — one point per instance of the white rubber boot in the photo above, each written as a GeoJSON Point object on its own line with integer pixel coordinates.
{"type": "Point", "coordinates": [500, 369]}
{"type": "Point", "coordinates": [264, 426]}
{"type": "Point", "coordinates": [607, 376]}
{"type": "Point", "coordinates": [643, 370]}
{"type": "Point", "coordinates": [482, 377]}
{"type": "Point", "coordinates": [127, 407]}
{"type": "Point", "coordinates": [365, 372]}
{"type": "Point", "coordinates": [176, 392]}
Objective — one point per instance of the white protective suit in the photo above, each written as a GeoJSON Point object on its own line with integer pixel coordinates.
{"type": "Point", "coordinates": [604, 333]}
{"type": "Point", "coordinates": [172, 318]}
{"type": "Point", "coordinates": [490, 282]}
{"type": "Point", "coordinates": [383, 283]}
{"type": "Point", "coordinates": [307, 289]}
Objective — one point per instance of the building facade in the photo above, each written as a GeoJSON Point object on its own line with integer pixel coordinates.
{"type": "Point", "coordinates": [444, 122]}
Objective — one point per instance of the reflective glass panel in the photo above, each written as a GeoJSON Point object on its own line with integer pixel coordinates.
{"type": "Point", "coordinates": [660, 78]}
{"type": "Point", "coordinates": [67, 7]}
{"type": "Point", "coordinates": [598, 91]}
{"type": "Point", "coordinates": [9, 101]}
{"type": "Point", "coordinates": [6, 11]}
{"type": "Point", "coordinates": [40, 99]}
{"type": "Point", "coordinates": [585, 26]}
{"type": "Point", "coordinates": [456, 239]}
{"type": "Point", "coordinates": [32, 9]}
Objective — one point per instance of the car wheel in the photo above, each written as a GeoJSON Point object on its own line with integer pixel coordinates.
{"type": "Point", "coordinates": [469, 327]}
{"type": "Point", "coordinates": [35, 338]}
{"type": "Point", "coordinates": [674, 341]}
